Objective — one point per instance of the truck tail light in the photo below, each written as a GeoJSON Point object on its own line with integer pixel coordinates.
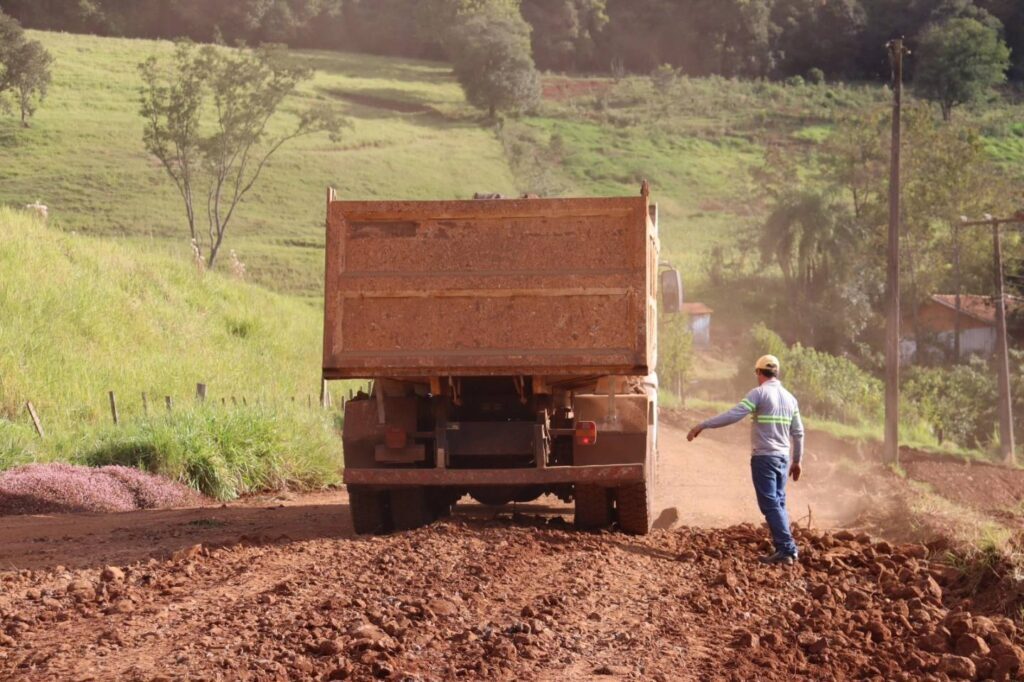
{"type": "Point", "coordinates": [395, 438]}
{"type": "Point", "coordinates": [586, 433]}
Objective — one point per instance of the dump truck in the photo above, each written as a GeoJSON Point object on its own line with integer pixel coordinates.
{"type": "Point", "coordinates": [509, 351]}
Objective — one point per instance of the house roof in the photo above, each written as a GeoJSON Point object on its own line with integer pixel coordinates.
{"type": "Point", "coordinates": [696, 309]}
{"type": "Point", "coordinates": [981, 308]}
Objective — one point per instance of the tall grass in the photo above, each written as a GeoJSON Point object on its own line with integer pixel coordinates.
{"type": "Point", "coordinates": [81, 316]}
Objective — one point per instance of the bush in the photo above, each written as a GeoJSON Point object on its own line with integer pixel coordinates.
{"type": "Point", "coordinates": [816, 76]}
{"type": "Point", "coordinates": [222, 453]}
{"type": "Point", "coordinates": [827, 386]}
{"type": "Point", "coordinates": [958, 402]}
{"type": "Point", "coordinates": [663, 78]}
{"type": "Point", "coordinates": [675, 351]}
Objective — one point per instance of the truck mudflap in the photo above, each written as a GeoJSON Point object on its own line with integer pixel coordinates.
{"type": "Point", "coordinates": [608, 475]}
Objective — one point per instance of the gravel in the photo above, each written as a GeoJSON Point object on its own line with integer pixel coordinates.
{"type": "Point", "coordinates": [62, 488]}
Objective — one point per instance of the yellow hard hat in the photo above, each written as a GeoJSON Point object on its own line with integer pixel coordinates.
{"type": "Point", "coordinates": [767, 362]}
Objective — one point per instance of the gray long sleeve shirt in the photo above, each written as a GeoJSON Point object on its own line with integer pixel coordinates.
{"type": "Point", "coordinates": [776, 421]}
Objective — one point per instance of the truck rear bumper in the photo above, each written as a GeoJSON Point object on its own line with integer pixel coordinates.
{"type": "Point", "coordinates": [606, 475]}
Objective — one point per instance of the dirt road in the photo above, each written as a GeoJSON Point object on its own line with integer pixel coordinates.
{"type": "Point", "coordinates": [281, 589]}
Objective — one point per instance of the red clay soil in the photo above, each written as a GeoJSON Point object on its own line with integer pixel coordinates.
{"type": "Point", "coordinates": [281, 588]}
{"type": "Point", "coordinates": [523, 599]}
{"type": "Point", "coordinates": [562, 89]}
{"type": "Point", "coordinates": [983, 486]}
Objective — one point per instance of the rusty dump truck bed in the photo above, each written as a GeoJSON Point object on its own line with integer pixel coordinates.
{"type": "Point", "coordinates": [549, 287]}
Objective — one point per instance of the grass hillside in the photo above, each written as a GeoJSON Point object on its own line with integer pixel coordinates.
{"type": "Point", "coordinates": [413, 136]}
{"type": "Point", "coordinates": [83, 316]}
{"type": "Point", "coordinates": [84, 156]}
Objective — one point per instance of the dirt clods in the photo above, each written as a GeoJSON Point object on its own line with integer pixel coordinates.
{"type": "Point", "coordinates": [503, 600]}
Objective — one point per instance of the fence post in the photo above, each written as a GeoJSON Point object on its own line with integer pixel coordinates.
{"type": "Point", "coordinates": [201, 392]}
{"type": "Point", "coordinates": [35, 418]}
{"type": "Point", "coordinates": [113, 408]}
{"type": "Point", "coordinates": [145, 404]}
{"type": "Point", "coordinates": [169, 403]}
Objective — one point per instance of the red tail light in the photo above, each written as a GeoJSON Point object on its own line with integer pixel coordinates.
{"type": "Point", "coordinates": [586, 433]}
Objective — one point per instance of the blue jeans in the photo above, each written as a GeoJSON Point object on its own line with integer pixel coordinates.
{"type": "Point", "coordinates": [770, 473]}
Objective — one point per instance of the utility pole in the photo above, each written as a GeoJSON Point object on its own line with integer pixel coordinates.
{"type": "Point", "coordinates": [891, 451]}
{"type": "Point", "coordinates": [957, 325]}
{"type": "Point", "coordinates": [1006, 441]}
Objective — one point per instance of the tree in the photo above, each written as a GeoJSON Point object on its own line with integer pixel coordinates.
{"type": "Point", "coordinates": [207, 120]}
{"type": "Point", "coordinates": [675, 351]}
{"type": "Point", "coordinates": [958, 62]}
{"type": "Point", "coordinates": [24, 68]}
{"type": "Point", "coordinates": [565, 32]}
{"type": "Point", "coordinates": [493, 63]}
{"type": "Point", "coordinates": [28, 76]}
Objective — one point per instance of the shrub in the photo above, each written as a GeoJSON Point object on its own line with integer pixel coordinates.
{"type": "Point", "coordinates": [675, 351]}
{"type": "Point", "coordinates": [664, 77]}
{"type": "Point", "coordinates": [223, 453]}
{"type": "Point", "coordinates": [816, 76]}
{"type": "Point", "coordinates": [957, 402]}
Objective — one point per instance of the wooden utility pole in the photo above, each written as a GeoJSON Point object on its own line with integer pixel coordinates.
{"type": "Point", "coordinates": [891, 452]}
{"type": "Point", "coordinates": [1007, 447]}
{"type": "Point", "coordinates": [957, 325]}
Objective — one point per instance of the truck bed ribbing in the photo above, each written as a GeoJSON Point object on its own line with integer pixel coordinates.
{"type": "Point", "coordinates": [551, 287]}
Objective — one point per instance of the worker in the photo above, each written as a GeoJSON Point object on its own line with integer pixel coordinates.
{"type": "Point", "coordinates": [776, 426]}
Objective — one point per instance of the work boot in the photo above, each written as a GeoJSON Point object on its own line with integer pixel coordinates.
{"type": "Point", "coordinates": [777, 559]}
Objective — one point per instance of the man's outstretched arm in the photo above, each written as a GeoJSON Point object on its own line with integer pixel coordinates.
{"type": "Point", "coordinates": [742, 409]}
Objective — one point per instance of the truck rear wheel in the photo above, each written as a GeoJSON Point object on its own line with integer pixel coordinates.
{"type": "Point", "coordinates": [411, 508]}
{"type": "Point", "coordinates": [593, 507]}
{"type": "Point", "coordinates": [369, 510]}
{"type": "Point", "coordinates": [634, 506]}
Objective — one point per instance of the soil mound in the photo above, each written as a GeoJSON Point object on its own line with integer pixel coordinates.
{"type": "Point", "coordinates": [61, 488]}
{"type": "Point", "coordinates": [509, 599]}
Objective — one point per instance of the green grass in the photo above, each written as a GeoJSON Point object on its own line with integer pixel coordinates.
{"type": "Point", "coordinates": [84, 156]}
{"type": "Point", "coordinates": [223, 452]}
{"type": "Point", "coordinates": [81, 317]}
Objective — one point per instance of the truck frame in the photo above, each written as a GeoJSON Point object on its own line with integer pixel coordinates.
{"type": "Point", "coordinates": [511, 346]}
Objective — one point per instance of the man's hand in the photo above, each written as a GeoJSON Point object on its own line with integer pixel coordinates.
{"type": "Point", "coordinates": [794, 471]}
{"type": "Point", "coordinates": [694, 432]}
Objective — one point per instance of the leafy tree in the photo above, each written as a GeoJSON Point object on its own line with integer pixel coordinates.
{"type": "Point", "coordinates": [813, 239]}
{"type": "Point", "coordinates": [207, 115]}
{"type": "Point", "coordinates": [959, 402]}
{"type": "Point", "coordinates": [958, 62]}
{"type": "Point", "coordinates": [565, 32]}
{"type": "Point", "coordinates": [675, 351]}
{"type": "Point", "coordinates": [492, 61]}
{"type": "Point", "coordinates": [24, 69]}
{"type": "Point", "coordinates": [818, 35]}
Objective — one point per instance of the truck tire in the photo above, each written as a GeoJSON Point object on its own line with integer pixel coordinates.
{"type": "Point", "coordinates": [369, 510]}
{"type": "Point", "coordinates": [593, 507]}
{"type": "Point", "coordinates": [411, 508]}
{"type": "Point", "coordinates": [634, 506]}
